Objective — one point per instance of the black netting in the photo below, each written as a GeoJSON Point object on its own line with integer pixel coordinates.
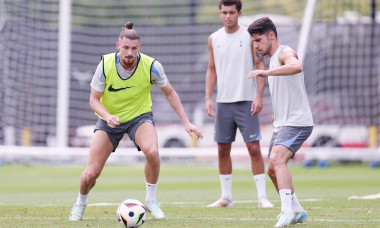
{"type": "Point", "coordinates": [341, 62]}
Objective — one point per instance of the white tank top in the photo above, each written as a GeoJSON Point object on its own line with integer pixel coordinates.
{"type": "Point", "coordinates": [233, 61]}
{"type": "Point", "coordinates": [289, 99]}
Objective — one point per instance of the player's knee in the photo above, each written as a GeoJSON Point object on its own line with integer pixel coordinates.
{"type": "Point", "coordinates": [254, 151]}
{"type": "Point", "coordinates": [275, 161]}
{"type": "Point", "coordinates": [151, 154]}
{"type": "Point", "coordinates": [271, 173]}
{"type": "Point", "coordinates": [224, 151]}
{"type": "Point", "coordinates": [223, 154]}
{"type": "Point", "coordinates": [91, 174]}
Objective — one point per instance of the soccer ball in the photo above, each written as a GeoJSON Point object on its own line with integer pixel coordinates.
{"type": "Point", "coordinates": [131, 213]}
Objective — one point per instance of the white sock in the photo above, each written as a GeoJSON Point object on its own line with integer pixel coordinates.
{"type": "Point", "coordinates": [226, 182]}
{"type": "Point", "coordinates": [260, 186]}
{"type": "Point", "coordinates": [296, 206]}
{"type": "Point", "coordinates": [150, 192]}
{"type": "Point", "coordinates": [82, 199]}
{"type": "Point", "coordinates": [286, 200]}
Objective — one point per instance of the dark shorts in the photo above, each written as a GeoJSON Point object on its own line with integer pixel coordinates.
{"type": "Point", "coordinates": [290, 137]}
{"type": "Point", "coordinates": [230, 116]}
{"type": "Point", "coordinates": [130, 128]}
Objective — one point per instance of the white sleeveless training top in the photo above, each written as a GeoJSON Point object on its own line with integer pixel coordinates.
{"type": "Point", "coordinates": [233, 61]}
{"type": "Point", "coordinates": [289, 99]}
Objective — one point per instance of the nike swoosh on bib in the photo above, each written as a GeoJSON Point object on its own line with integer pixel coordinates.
{"type": "Point", "coordinates": [111, 89]}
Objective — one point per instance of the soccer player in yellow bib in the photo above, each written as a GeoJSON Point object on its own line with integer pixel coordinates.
{"type": "Point", "coordinates": [120, 96]}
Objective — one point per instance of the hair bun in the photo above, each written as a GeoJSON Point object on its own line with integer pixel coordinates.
{"type": "Point", "coordinates": [129, 25]}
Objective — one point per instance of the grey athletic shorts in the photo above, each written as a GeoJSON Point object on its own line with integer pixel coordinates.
{"type": "Point", "coordinates": [230, 116]}
{"type": "Point", "coordinates": [130, 128]}
{"type": "Point", "coordinates": [291, 137]}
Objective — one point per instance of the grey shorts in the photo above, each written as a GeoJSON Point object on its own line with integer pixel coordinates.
{"type": "Point", "coordinates": [230, 116]}
{"type": "Point", "coordinates": [290, 137]}
{"type": "Point", "coordinates": [130, 128]}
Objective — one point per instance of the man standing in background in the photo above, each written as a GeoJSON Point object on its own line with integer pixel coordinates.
{"type": "Point", "coordinates": [239, 100]}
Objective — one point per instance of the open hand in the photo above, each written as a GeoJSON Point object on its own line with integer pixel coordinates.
{"type": "Point", "coordinates": [258, 73]}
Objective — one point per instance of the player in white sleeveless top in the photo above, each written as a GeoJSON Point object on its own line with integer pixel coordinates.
{"type": "Point", "coordinates": [293, 121]}
{"type": "Point", "coordinates": [239, 100]}
{"type": "Point", "coordinates": [232, 58]}
{"type": "Point", "coordinates": [290, 104]}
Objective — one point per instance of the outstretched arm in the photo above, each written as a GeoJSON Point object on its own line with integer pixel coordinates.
{"type": "Point", "coordinates": [174, 101]}
{"type": "Point", "coordinates": [290, 65]}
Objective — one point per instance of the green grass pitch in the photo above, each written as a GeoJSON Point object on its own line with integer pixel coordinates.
{"type": "Point", "coordinates": [42, 196]}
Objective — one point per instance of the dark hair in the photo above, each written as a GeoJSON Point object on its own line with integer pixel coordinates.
{"type": "Point", "coordinates": [262, 26]}
{"type": "Point", "coordinates": [230, 3]}
{"type": "Point", "coordinates": [128, 32]}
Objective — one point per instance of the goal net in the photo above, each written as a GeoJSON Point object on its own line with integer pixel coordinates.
{"type": "Point", "coordinates": [341, 61]}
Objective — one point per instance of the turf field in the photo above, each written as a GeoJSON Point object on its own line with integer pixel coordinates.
{"type": "Point", "coordinates": [32, 196]}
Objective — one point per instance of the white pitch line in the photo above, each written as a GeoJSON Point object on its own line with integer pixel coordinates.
{"type": "Point", "coordinates": [256, 201]}
{"type": "Point", "coordinates": [103, 204]}
{"type": "Point", "coordinates": [200, 203]}
{"type": "Point", "coordinates": [344, 220]}
{"type": "Point", "coordinates": [274, 219]}
{"type": "Point", "coordinates": [163, 203]}
{"type": "Point", "coordinates": [215, 219]}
